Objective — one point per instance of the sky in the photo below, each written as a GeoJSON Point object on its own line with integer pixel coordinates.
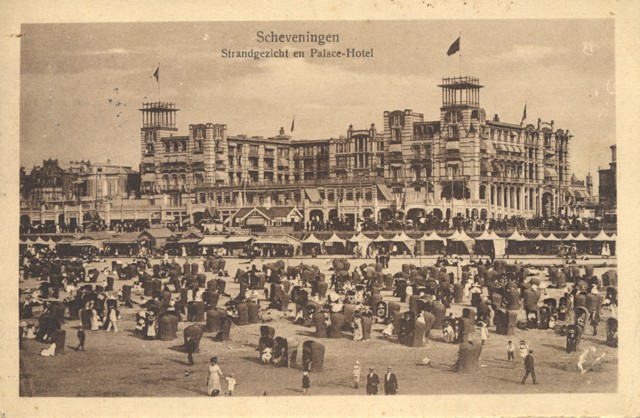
{"type": "Point", "coordinates": [82, 84]}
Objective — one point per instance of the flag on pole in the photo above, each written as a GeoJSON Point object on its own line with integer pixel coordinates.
{"type": "Point", "coordinates": [455, 47]}
{"type": "Point", "coordinates": [524, 114]}
{"type": "Point", "coordinates": [156, 74]}
{"type": "Point", "coordinates": [293, 123]}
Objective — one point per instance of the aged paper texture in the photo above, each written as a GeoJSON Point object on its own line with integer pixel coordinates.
{"type": "Point", "coordinates": [312, 69]}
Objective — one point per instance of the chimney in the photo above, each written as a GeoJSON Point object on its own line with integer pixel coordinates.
{"type": "Point", "coordinates": [613, 153]}
{"type": "Point", "coordinates": [496, 118]}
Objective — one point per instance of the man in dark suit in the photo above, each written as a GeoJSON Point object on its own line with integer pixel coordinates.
{"type": "Point", "coordinates": [390, 383]}
{"type": "Point", "coordinates": [372, 382]}
{"type": "Point", "coordinates": [529, 368]}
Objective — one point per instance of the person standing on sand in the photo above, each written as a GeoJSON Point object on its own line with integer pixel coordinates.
{"type": "Point", "coordinates": [372, 382]}
{"type": "Point", "coordinates": [81, 338]}
{"type": "Point", "coordinates": [306, 382]}
{"type": "Point", "coordinates": [190, 347]}
{"type": "Point", "coordinates": [510, 352]}
{"type": "Point", "coordinates": [213, 380]}
{"type": "Point", "coordinates": [523, 350]}
{"type": "Point", "coordinates": [529, 368]}
{"type": "Point", "coordinates": [390, 383]}
{"type": "Point", "coordinates": [231, 384]}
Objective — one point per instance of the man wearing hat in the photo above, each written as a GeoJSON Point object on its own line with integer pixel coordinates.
{"type": "Point", "coordinates": [372, 382]}
{"type": "Point", "coordinates": [390, 383]}
{"type": "Point", "coordinates": [529, 368]}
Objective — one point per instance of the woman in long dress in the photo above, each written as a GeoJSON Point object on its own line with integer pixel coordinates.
{"type": "Point", "coordinates": [213, 380]}
{"type": "Point", "coordinates": [95, 320]}
{"type": "Point", "coordinates": [357, 328]}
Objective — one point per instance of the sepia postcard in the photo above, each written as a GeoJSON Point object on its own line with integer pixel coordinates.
{"type": "Point", "coordinates": [293, 209]}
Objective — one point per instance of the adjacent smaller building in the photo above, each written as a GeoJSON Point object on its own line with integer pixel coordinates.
{"type": "Point", "coordinates": [607, 190]}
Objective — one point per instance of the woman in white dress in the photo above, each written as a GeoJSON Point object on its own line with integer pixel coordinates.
{"type": "Point", "coordinates": [357, 328]}
{"type": "Point", "coordinates": [213, 380]}
{"type": "Point", "coordinates": [95, 320]}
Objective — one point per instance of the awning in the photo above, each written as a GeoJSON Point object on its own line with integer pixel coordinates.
{"type": "Point", "coordinates": [460, 236]}
{"type": "Point", "coordinates": [212, 240]}
{"type": "Point", "coordinates": [276, 241]}
{"type": "Point", "coordinates": [85, 243]}
{"type": "Point", "coordinates": [402, 237]}
{"type": "Point", "coordinates": [431, 237]}
{"type": "Point", "coordinates": [334, 239]}
{"type": "Point", "coordinates": [360, 238]}
{"type": "Point", "coordinates": [485, 167]}
{"type": "Point", "coordinates": [484, 236]}
{"type": "Point", "coordinates": [552, 237]}
{"type": "Point", "coordinates": [313, 194]}
{"type": "Point", "coordinates": [579, 237]}
{"type": "Point", "coordinates": [497, 168]}
{"type": "Point", "coordinates": [395, 148]}
{"type": "Point", "coordinates": [384, 190]}
{"type": "Point", "coordinates": [539, 237]}
{"type": "Point", "coordinates": [311, 239]}
{"type": "Point", "coordinates": [221, 176]}
{"type": "Point", "coordinates": [237, 238]}
{"type": "Point", "coordinates": [396, 165]}
{"type": "Point", "coordinates": [550, 172]}
{"type": "Point", "coordinates": [122, 241]}
{"type": "Point", "coordinates": [579, 194]}
{"type": "Point", "coordinates": [602, 236]}
{"type": "Point", "coordinates": [500, 147]}
{"type": "Point", "coordinates": [380, 238]}
{"type": "Point", "coordinates": [486, 147]}
{"type": "Point", "coordinates": [189, 241]}
{"type": "Point", "coordinates": [549, 151]}
{"type": "Point", "coordinates": [452, 145]}
{"type": "Point", "coordinates": [517, 236]}
{"type": "Point", "coordinates": [518, 149]}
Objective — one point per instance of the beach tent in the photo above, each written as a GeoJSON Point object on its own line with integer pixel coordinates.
{"type": "Point", "coordinates": [602, 236]}
{"type": "Point", "coordinates": [335, 244]}
{"type": "Point", "coordinates": [491, 239]}
{"type": "Point", "coordinates": [406, 240]}
{"type": "Point", "coordinates": [433, 243]}
{"type": "Point", "coordinates": [517, 243]}
{"type": "Point", "coordinates": [380, 241]}
{"type": "Point", "coordinates": [461, 243]}
{"type": "Point", "coordinates": [310, 242]}
{"type": "Point", "coordinates": [362, 240]}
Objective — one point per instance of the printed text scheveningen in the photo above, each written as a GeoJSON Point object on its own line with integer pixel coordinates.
{"type": "Point", "coordinates": [308, 37]}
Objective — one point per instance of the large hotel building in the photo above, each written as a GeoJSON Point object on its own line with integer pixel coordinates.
{"type": "Point", "coordinates": [465, 162]}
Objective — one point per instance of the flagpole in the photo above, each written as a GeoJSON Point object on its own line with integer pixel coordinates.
{"type": "Point", "coordinates": [460, 37]}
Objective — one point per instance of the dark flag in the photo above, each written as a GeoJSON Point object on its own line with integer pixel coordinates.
{"type": "Point", "coordinates": [293, 123]}
{"type": "Point", "coordinates": [157, 74]}
{"type": "Point", "coordinates": [455, 47]}
{"type": "Point", "coordinates": [524, 113]}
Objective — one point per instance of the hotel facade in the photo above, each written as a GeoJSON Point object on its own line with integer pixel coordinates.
{"type": "Point", "coordinates": [462, 163]}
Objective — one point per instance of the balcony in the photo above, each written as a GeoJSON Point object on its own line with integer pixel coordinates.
{"type": "Point", "coordinates": [269, 154]}
{"type": "Point", "coordinates": [396, 156]}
